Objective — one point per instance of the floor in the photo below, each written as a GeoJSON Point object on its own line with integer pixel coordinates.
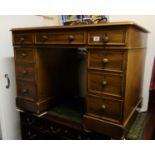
{"type": "Point", "coordinates": [150, 130]}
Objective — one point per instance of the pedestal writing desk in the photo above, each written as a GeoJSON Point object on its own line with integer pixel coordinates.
{"type": "Point", "coordinates": [48, 76]}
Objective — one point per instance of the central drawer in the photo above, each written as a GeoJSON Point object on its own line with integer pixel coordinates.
{"type": "Point", "coordinates": [104, 108]}
{"type": "Point", "coordinates": [60, 38]}
{"type": "Point", "coordinates": [105, 83]}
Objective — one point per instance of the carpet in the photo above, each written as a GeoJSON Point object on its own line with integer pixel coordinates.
{"type": "Point", "coordinates": [138, 127]}
{"type": "Point", "coordinates": [153, 136]}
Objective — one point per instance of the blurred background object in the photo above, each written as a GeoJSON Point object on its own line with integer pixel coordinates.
{"type": "Point", "coordinates": [83, 19]}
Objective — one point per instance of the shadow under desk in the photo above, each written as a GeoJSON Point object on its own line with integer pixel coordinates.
{"type": "Point", "coordinates": [63, 121]}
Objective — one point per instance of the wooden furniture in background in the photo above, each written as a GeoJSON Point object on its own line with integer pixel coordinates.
{"type": "Point", "coordinates": [46, 60]}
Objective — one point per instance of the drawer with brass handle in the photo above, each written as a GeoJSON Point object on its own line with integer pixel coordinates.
{"type": "Point", "coordinates": [24, 55]}
{"type": "Point", "coordinates": [26, 90]}
{"type": "Point", "coordinates": [105, 83]}
{"type": "Point", "coordinates": [107, 37]}
{"type": "Point", "coordinates": [60, 38]}
{"type": "Point", "coordinates": [104, 108]}
{"type": "Point", "coordinates": [23, 38]}
{"type": "Point", "coordinates": [110, 60]}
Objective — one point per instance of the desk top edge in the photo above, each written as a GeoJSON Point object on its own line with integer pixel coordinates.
{"type": "Point", "coordinates": [125, 23]}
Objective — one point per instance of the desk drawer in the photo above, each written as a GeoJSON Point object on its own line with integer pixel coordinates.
{"type": "Point", "coordinates": [23, 38]}
{"type": "Point", "coordinates": [25, 71]}
{"type": "Point", "coordinates": [26, 90]}
{"type": "Point", "coordinates": [104, 108]}
{"type": "Point", "coordinates": [105, 83]}
{"type": "Point", "coordinates": [111, 60]}
{"type": "Point", "coordinates": [25, 55]}
{"type": "Point", "coordinates": [107, 37]}
{"type": "Point", "coordinates": [60, 38]}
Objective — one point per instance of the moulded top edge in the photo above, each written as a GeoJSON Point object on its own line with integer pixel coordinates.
{"type": "Point", "coordinates": [124, 23]}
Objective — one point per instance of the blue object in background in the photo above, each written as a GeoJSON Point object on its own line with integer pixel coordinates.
{"type": "Point", "coordinates": [82, 55]}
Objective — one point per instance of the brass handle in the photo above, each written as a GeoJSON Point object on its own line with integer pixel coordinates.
{"type": "Point", "coordinates": [71, 37]}
{"type": "Point", "coordinates": [22, 39]}
{"type": "Point", "coordinates": [105, 60]}
{"type": "Point", "coordinates": [104, 83]}
{"type": "Point", "coordinates": [24, 55]}
{"type": "Point", "coordinates": [105, 38]}
{"type": "Point", "coordinates": [103, 107]}
{"type": "Point", "coordinates": [24, 72]}
{"type": "Point", "coordinates": [44, 37]}
{"type": "Point", "coordinates": [25, 91]}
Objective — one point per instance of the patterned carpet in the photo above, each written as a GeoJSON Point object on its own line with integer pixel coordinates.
{"type": "Point", "coordinates": [153, 137]}
{"type": "Point", "coordinates": [138, 127]}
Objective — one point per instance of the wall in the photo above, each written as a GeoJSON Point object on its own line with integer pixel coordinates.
{"type": "Point", "coordinates": [149, 24]}
{"type": "Point", "coordinates": [9, 117]}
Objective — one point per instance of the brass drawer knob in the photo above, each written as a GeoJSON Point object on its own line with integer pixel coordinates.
{"type": "Point", "coordinates": [104, 83]}
{"type": "Point", "coordinates": [71, 37]}
{"type": "Point", "coordinates": [105, 60]}
{"type": "Point", "coordinates": [103, 107]}
{"type": "Point", "coordinates": [105, 38]}
{"type": "Point", "coordinates": [44, 37]}
{"type": "Point", "coordinates": [24, 72]}
{"type": "Point", "coordinates": [24, 55]}
{"type": "Point", "coordinates": [24, 91]}
{"type": "Point", "coordinates": [22, 39]}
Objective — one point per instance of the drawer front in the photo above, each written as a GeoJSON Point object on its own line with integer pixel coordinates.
{"type": "Point", "coordinates": [61, 38]}
{"type": "Point", "coordinates": [104, 108]}
{"type": "Point", "coordinates": [24, 55]}
{"type": "Point", "coordinates": [106, 60]}
{"type": "Point", "coordinates": [26, 90]}
{"type": "Point", "coordinates": [23, 38]}
{"type": "Point", "coordinates": [110, 84]}
{"type": "Point", "coordinates": [103, 127]}
{"type": "Point", "coordinates": [25, 71]}
{"type": "Point", "coordinates": [107, 37]}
